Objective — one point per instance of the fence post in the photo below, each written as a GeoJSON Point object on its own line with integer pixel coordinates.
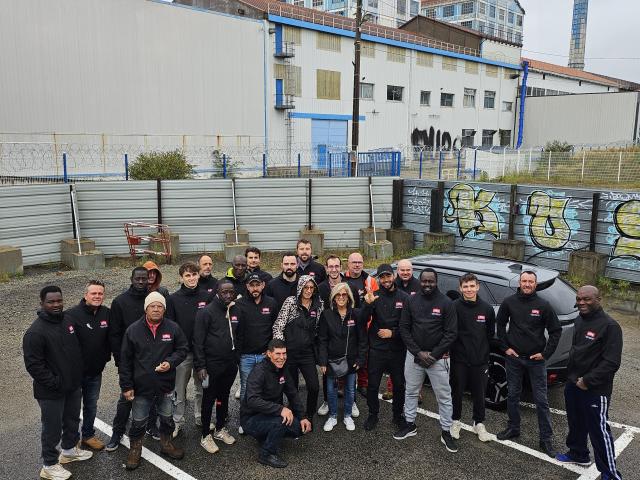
{"type": "Point", "coordinates": [549, 168]}
{"type": "Point", "coordinates": [530, 153]}
{"type": "Point", "coordinates": [593, 231]}
{"type": "Point", "coordinates": [329, 157]}
{"type": "Point", "coordinates": [458, 169]}
{"type": "Point", "coordinates": [475, 162]}
{"type": "Point", "coordinates": [504, 160]}
{"type": "Point", "coordinates": [298, 165]}
{"type": "Point", "coordinates": [398, 163]}
{"type": "Point", "coordinates": [420, 173]}
{"type": "Point", "coordinates": [224, 165]}
{"type": "Point", "coordinates": [65, 178]}
{"type": "Point", "coordinates": [440, 166]}
{"type": "Point", "coordinates": [582, 171]}
{"type": "Point", "coordinates": [126, 166]}
{"type": "Point", "coordinates": [264, 165]}
{"type": "Point", "coordinates": [518, 163]}
{"type": "Point", "coordinates": [619, 166]}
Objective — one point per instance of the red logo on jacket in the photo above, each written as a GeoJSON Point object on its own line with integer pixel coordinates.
{"type": "Point", "coordinates": [590, 335]}
{"type": "Point", "coordinates": [234, 319]}
{"type": "Point", "coordinates": [103, 324]}
{"type": "Point", "coordinates": [399, 305]}
{"type": "Point", "coordinates": [202, 304]}
{"type": "Point", "coordinates": [351, 322]}
{"type": "Point", "coordinates": [166, 337]}
{"type": "Point", "coordinates": [281, 380]}
{"type": "Point", "coordinates": [535, 313]}
{"type": "Point", "coordinates": [481, 319]}
{"type": "Point", "coordinates": [266, 311]}
{"type": "Point", "coordinates": [436, 311]}
{"type": "Point", "coordinates": [71, 330]}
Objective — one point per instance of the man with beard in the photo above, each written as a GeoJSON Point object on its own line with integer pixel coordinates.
{"type": "Point", "coordinates": [284, 285]}
{"type": "Point", "coordinates": [237, 275]}
{"type": "Point", "coordinates": [206, 281]}
{"type": "Point", "coordinates": [306, 264]}
{"type": "Point", "coordinates": [253, 255]}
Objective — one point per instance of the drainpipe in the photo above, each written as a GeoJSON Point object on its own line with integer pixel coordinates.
{"type": "Point", "coordinates": [523, 96]}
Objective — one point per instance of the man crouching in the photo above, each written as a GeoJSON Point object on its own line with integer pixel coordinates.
{"type": "Point", "coordinates": [152, 348]}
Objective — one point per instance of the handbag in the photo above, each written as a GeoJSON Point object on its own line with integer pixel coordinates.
{"type": "Point", "coordinates": [340, 366]}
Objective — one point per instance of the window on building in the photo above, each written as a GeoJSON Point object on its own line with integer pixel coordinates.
{"type": "Point", "coordinates": [367, 49]}
{"type": "Point", "coordinates": [401, 7]}
{"type": "Point", "coordinates": [519, 20]}
{"type": "Point", "coordinates": [468, 136]}
{"type": "Point", "coordinates": [468, 24]}
{"type": "Point", "coordinates": [424, 59]}
{"type": "Point", "coordinates": [328, 84]}
{"type": "Point", "coordinates": [510, 35]}
{"type": "Point", "coordinates": [482, 8]}
{"type": "Point", "coordinates": [469, 100]}
{"type": "Point", "coordinates": [327, 41]}
{"type": "Point", "coordinates": [395, 54]}
{"type": "Point", "coordinates": [450, 64]}
{"type": "Point", "coordinates": [425, 98]}
{"type": "Point", "coordinates": [448, 11]}
{"type": "Point", "coordinates": [507, 106]}
{"type": "Point", "coordinates": [291, 77]}
{"type": "Point", "coordinates": [373, 3]}
{"type": "Point", "coordinates": [430, 12]}
{"type": "Point", "coordinates": [505, 138]}
{"type": "Point", "coordinates": [366, 91]}
{"type": "Point", "coordinates": [414, 8]}
{"type": "Point", "coordinates": [501, 13]}
{"type": "Point", "coordinates": [487, 138]}
{"type": "Point", "coordinates": [491, 70]}
{"type": "Point", "coordinates": [500, 32]}
{"type": "Point", "coordinates": [511, 17]}
{"type": "Point", "coordinates": [529, 92]}
{"type": "Point", "coordinates": [489, 99]}
{"type": "Point", "coordinates": [318, 3]}
{"type": "Point", "coordinates": [299, 3]}
{"type": "Point", "coordinates": [471, 67]}
{"type": "Point", "coordinates": [517, 37]}
{"type": "Point", "coordinates": [481, 27]}
{"type": "Point", "coordinates": [490, 30]}
{"type": "Point", "coordinates": [467, 8]}
{"type": "Point", "coordinates": [536, 92]}
{"type": "Point", "coordinates": [551, 92]}
{"type": "Point", "coordinates": [394, 93]}
{"type": "Point", "coordinates": [446, 99]}
{"type": "Point", "coordinates": [492, 11]}
{"type": "Point", "coordinates": [292, 35]}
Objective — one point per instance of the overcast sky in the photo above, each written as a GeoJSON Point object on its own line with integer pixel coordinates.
{"type": "Point", "coordinates": [613, 31]}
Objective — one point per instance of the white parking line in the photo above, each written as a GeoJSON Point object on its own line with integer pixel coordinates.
{"type": "Point", "coordinates": [620, 444]}
{"type": "Point", "coordinates": [148, 455]}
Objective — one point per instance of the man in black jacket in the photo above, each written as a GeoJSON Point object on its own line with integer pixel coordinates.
{"type": "Point", "coordinates": [306, 264]}
{"type": "Point", "coordinates": [215, 358]}
{"type": "Point", "coordinates": [253, 255]}
{"type": "Point", "coordinates": [333, 266]}
{"type": "Point", "coordinates": [237, 275]}
{"type": "Point", "coordinates": [594, 359]}
{"type": "Point", "coordinates": [182, 307]}
{"type": "Point", "coordinates": [262, 413]}
{"type": "Point", "coordinates": [470, 354]}
{"type": "Point", "coordinates": [152, 348]}
{"type": "Point", "coordinates": [428, 327]}
{"type": "Point", "coordinates": [386, 350]}
{"type": "Point", "coordinates": [53, 358]}
{"type": "Point", "coordinates": [206, 281]}
{"type": "Point", "coordinates": [90, 320]}
{"type": "Point", "coordinates": [285, 284]}
{"type": "Point", "coordinates": [405, 280]}
{"type": "Point", "coordinates": [526, 349]}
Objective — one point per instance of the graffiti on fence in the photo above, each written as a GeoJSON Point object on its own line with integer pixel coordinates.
{"type": "Point", "coordinates": [472, 211]}
{"type": "Point", "coordinates": [433, 139]}
{"type": "Point", "coordinates": [419, 200]}
{"type": "Point", "coordinates": [624, 230]}
{"type": "Point", "coordinates": [551, 222]}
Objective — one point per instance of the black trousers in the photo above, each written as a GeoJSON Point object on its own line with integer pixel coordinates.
{"type": "Point", "coordinates": [221, 378]}
{"type": "Point", "coordinates": [476, 378]}
{"type": "Point", "coordinates": [123, 410]}
{"type": "Point", "coordinates": [60, 419]}
{"type": "Point", "coordinates": [306, 364]}
{"type": "Point", "coordinates": [386, 361]}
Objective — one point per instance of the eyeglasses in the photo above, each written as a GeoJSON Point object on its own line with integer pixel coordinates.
{"type": "Point", "coordinates": [308, 287]}
{"type": "Point", "coordinates": [341, 295]}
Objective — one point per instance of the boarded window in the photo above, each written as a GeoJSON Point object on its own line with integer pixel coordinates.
{"type": "Point", "coordinates": [291, 76]}
{"type": "Point", "coordinates": [449, 64]}
{"type": "Point", "coordinates": [292, 35]}
{"type": "Point", "coordinates": [395, 54]}
{"type": "Point", "coordinates": [492, 71]}
{"type": "Point", "coordinates": [367, 49]}
{"type": "Point", "coordinates": [424, 59]}
{"type": "Point", "coordinates": [326, 41]}
{"type": "Point", "coordinates": [471, 67]}
{"type": "Point", "coordinates": [328, 84]}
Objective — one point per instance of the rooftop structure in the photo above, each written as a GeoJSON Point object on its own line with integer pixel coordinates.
{"type": "Point", "coordinates": [578, 34]}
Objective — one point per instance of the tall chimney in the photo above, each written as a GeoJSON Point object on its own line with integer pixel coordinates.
{"type": "Point", "coordinates": [578, 34]}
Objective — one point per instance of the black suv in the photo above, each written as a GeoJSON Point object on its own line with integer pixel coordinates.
{"type": "Point", "coordinates": [499, 279]}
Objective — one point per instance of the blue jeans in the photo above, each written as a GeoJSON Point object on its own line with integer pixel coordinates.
{"type": "Point", "coordinates": [270, 430]}
{"type": "Point", "coordinates": [247, 362]}
{"type": "Point", "coordinates": [90, 394]}
{"type": "Point", "coordinates": [140, 412]}
{"type": "Point", "coordinates": [516, 367]}
{"type": "Point", "coordinates": [349, 394]}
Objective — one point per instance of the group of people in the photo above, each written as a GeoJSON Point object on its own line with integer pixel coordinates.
{"type": "Point", "coordinates": [347, 329]}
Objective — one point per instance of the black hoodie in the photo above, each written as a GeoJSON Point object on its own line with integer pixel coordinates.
{"type": "Point", "coordinates": [209, 284]}
{"type": "Point", "coordinates": [313, 269]}
{"type": "Point", "coordinates": [214, 335]}
{"type": "Point", "coordinates": [92, 329]}
{"type": "Point", "coordinates": [256, 324]}
{"type": "Point", "coordinates": [182, 307]}
{"type": "Point", "coordinates": [476, 331]}
{"type": "Point", "coordinates": [412, 287]}
{"type": "Point", "coordinates": [528, 317]}
{"type": "Point", "coordinates": [126, 309]}
{"type": "Point", "coordinates": [52, 356]}
{"type": "Point", "coordinates": [279, 289]}
{"type": "Point", "coordinates": [596, 351]}
{"type": "Point", "coordinates": [385, 313]}
{"type": "Point", "coordinates": [324, 289]}
{"type": "Point", "coordinates": [333, 334]}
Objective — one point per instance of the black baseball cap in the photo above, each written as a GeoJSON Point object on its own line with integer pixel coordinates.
{"type": "Point", "coordinates": [254, 277]}
{"type": "Point", "coordinates": [384, 268]}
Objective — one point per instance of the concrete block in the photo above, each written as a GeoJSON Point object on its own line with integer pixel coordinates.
{"type": "Point", "coordinates": [401, 238]}
{"type": "Point", "coordinates": [230, 236]}
{"type": "Point", "coordinates": [89, 260]}
{"type": "Point", "coordinates": [442, 242]}
{"type": "Point", "coordinates": [233, 249]}
{"type": "Point", "coordinates": [316, 237]}
{"type": "Point", "coordinates": [510, 249]}
{"type": "Point", "coordinates": [382, 249]}
{"type": "Point", "coordinates": [587, 266]}
{"type": "Point", "coordinates": [366, 235]}
{"type": "Point", "coordinates": [10, 260]}
{"type": "Point", "coordinates": [174, 240]}
{"type": "Point", "coordinates": [70, 245]}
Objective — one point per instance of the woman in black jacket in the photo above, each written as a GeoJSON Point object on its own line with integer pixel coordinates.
{"type": "Point", "coordinates": [341, 334]}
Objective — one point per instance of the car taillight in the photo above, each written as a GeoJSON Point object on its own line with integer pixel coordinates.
{"type": "Point", "coordinates": [552, 377]}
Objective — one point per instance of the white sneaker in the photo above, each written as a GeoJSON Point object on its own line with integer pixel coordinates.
{"type": "Point", "coordinates": [355, 413]}
{"type": "Point", "coordinates": [483, 435]}
{"type": "Point", "coordinates": [324, 409]}
{"type": "Point", "coordinates": [224, 436]}
{"type": "Point", "coordinates": [455, 429]}
{"type": "Point", "coordinates": [240, 430]}
{"type": "Point", "coordinates": [237, 394]}
{"type": "Point", "coordinates": [177, 430]}
{"type": "Point", "coordinates": [55, 472]}
{"type": "Point", "coordinates": [330, 423]}
{"type": "Point", "coordinates": [208, 444]}
{"type": "Point", "coordinates": [348, 422]}
{"type": "Point", "coordinates": [74, 454]}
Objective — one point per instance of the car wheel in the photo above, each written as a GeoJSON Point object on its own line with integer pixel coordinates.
{"type": "Point", "coordinates": [496, 394]}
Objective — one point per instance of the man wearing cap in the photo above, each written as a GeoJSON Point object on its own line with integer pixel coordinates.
{"type": "Point", "coordinates": [386, 350]}
{"type": "Point", "coordinates": [152, 348]}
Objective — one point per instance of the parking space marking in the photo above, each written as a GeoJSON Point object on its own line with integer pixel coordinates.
{"type": "Point", "coordinates": [620, 444]}
{"type": "Point", "coordinates": [148, 455]}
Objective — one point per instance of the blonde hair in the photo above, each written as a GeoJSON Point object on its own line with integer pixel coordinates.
{"type": "Point", "coordinates": [335, 290]}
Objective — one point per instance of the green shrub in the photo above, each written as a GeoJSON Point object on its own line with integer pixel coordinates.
{"type": "Point", "coordinates": [558, 146]}
{"type": "Point", "coordinates": [163, 165]}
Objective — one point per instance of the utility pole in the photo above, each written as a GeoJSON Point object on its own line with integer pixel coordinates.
{"type": "Point", "coordinates": [355, 119]}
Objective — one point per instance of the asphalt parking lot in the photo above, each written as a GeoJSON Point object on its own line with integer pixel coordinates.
{"type": "Point", "coordinates": [319, 455]}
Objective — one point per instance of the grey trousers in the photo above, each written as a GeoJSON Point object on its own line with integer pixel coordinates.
{"type": "Point", "coordinates": [184, 372]}
{"type": "Point", "coordinates": [438, 374]}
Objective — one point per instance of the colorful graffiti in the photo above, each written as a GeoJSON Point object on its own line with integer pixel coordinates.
{"type": "Point", "coordinates": [548, 226]}
{"type": "Point", "coordinates": [433, 139]}
{"type": "Point", "coordinates": [626, 220]}
{"type": "Point", "coordinates": [471, 210]}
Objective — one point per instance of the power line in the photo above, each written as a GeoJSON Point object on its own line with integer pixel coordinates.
{"type": "Point", "coordinates": [586, 58]}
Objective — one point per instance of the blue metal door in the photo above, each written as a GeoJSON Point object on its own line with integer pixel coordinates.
{"type": "Point", "coordinates": [327, 136]}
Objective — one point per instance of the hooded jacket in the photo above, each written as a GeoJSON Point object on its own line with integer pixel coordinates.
{"type": "Point", "coordinates": [155, 286]}
{"type": "Point", "coordinates": [333, 334]}
{"type": "Point", "coordinates": [385, 313]}
{"type": "Point", "coordinates": [238, 283]}
{"type": "Point", "coordinates": [296, 325]}
{"type": "Point", "coordinates": [126, 309]}
{"type": "Point", "coordinates": [182, 307]}
{"type": "Point", "coordinates": [255, 328]}
{"type": "Point", "coordinates": [476, 330]}
{"type": "Point", "coordinates": [142, 352]}
{"type": "Point", "coordinates": [214, 335]}
{"type": "Point", "coordinates": [52, 356]}
{"type": "Point", "coordinates": [280, 289]}
{"type": "Point", "coordinates": [92, 329]}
